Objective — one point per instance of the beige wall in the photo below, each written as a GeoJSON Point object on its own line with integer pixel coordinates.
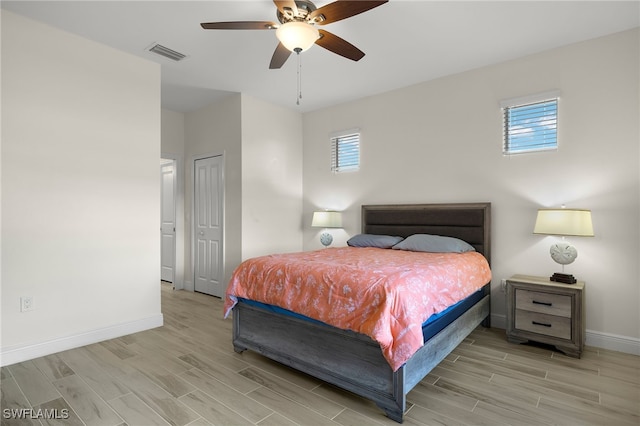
{"type": "Point", "coordinates": [440, 141]}
{"type": "Point", "coordinates": [80, 190]}
{"type": "Point", "coordinates": [271, 179]}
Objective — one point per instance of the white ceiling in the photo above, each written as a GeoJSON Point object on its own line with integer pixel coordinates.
{"type": "Point", "coordinates": [405, 42]}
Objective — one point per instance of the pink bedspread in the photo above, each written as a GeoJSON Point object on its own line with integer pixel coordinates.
{"type": "Point", "coordinates": [382, 293]}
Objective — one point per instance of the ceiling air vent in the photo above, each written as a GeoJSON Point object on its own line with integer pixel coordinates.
{"type": "Point", "coordinates": [166, 52]}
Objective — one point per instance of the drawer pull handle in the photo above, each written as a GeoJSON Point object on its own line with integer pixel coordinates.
{"type": "Point", "coordinates": [540, 323]}
{"type": "Point", "coordinates": [535, 302]}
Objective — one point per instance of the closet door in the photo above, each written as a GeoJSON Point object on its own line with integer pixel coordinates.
{"type": "Point", "coordinates": [208, 204]}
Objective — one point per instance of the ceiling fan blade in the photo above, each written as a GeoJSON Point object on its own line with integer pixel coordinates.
{"type": "Point", "coordinates": [279, 57]}
{"type": "Point", "coordinates": [283, 5]}
{"type": "Point", "coordinates": [239, 25]}
{"type": "Point", "coordinates": [338, 45]}
{"type": "Point", "coordinates": [341, 9]}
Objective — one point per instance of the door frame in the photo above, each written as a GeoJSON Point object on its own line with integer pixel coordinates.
{"type": "Point", "coordinates": [165, 161]}
{"type": "Point", "coordinates": [192, 226]}
{"type": "Point", "coordinates": [178, 200]}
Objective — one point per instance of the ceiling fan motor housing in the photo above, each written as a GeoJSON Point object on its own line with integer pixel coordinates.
{"type": "Point", "coordinates": [304, 8]}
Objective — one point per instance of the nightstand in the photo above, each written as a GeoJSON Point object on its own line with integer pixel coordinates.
{"type": "Point", "coordinates": [547, 312]}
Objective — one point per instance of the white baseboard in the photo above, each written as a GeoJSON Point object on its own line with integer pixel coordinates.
{"type": "Point", "coordinates": [597, 339]}
{"type": "Point", "coordinates": [499, 321]}
{"type": "Point", "coordinates": [19, 353]}
{"type": "Point", "coordinates": [629, 345]}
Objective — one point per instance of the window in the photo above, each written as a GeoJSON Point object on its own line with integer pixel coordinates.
{"type": "Point", "coordinates": [345, 151]}
{"type": "Point", "coordinates": [530, 123]}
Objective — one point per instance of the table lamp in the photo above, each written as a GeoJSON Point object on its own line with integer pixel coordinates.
{"type": "Point", "coordinates": [326, 219]}
{"type": "Point", "coordinates": [563, 222]}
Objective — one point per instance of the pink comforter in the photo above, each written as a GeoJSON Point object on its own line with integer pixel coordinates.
{"type": "Point", "coordinates": [382, 293]}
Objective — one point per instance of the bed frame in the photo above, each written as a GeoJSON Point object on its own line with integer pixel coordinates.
{"type": "Point", "coordinates": [352, 360]}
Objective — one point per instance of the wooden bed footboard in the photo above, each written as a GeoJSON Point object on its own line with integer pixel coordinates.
{"type": "Point", "coordinates": [349, 360]}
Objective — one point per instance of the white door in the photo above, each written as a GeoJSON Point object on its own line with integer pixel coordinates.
{"type": "Point", "coordinates": [208, 204]}
{"type": "Point", "coordinates": [167, 220]}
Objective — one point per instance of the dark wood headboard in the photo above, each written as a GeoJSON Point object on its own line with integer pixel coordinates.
{"type": "Point", "coordinates": [470, 222]}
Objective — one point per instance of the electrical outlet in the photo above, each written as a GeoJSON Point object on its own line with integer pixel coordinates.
{"type": "Point", "coordinates": [26, 303]}
{"type": "Point", "coordinates": [503, 285]}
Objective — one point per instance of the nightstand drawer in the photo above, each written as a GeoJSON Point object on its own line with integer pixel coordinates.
{"type": "Point", "coordinates": [548, 325]}
{"type": "Point", "coordinates": [544, 303]}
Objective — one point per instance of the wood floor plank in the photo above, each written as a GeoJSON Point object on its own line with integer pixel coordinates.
{"type": "Point", "coordinates": [240, 403]}
{"type": "Point", "coordinates": [613, 358]}
{"type": "Point", "coordinates": [512, 418]}
{"type": "Point", "coordinates": [437, 393]}
{"type": "Point", "coordinates": [36, 387]}
{"type": "Point", "coordinates": [629, 404]}
{"type": "Point", "coordinates": [614, 414]}
{"type": "Point", "coordinates": [225, 375]}
{"type": "Point", "coordinates": [53, 367]}
{"type": "Point", "coordinates": [287, 373]}
{"type": "Point", "coordinates": [200, 422]}
{"type": "Point", "coordinates": [429, 417]}
{"type": "Point", "coordinates": [162, 377]}
{"type": "Point", "coordinates": [170, 408]}
{"type": "Point", "coordinates": [212, 410]}
{"type": "Point", "coordinates": [276, 419]}
{"type": "Point", "coordinates": [102, 383]}
{"type": "Point", "coordinates": [12, 398]}
{"type": "Point", "coordinates": [349, 417]}
{"type": "Point", "coordinates": [60, 413]}
{"type": "Point", "coordinates": [523, 402]}
{"type": "Point", "coordinates": [289, 408]}
{"type": "Point", "coordinates": [303, 397]}
{"type": "Point", "coordinates": [547, 387]}
{"type": "Point", "coordinates": [573, 414]}
{"type": "Point", "coordinates": [599, 384]}
{"type": "Point", "coordinates": [480, 353]}
{"type": "Point", "coordinates": [135, 412]}
{"type": "Point", "coordinates": [427, 405]}
{"type": "Point", "coordinates": [159, 356]}
{"type": "Point", "coordinates": [87, 404]}
{"type": "Point", "coordinates": [451, 378]}
{"type": "Point", "coordinates": [109, 362]}
{"type": "Point", "coordinates": [362, 406]}
{"type": "Point", "coordinates": [623, 373]}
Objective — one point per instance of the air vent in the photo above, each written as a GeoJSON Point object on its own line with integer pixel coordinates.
{"type": "Point", "coordinates": [166, 52]}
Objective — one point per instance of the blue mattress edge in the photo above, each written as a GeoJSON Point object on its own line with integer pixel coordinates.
{"type": "Point", "coordinates": [432, 326]}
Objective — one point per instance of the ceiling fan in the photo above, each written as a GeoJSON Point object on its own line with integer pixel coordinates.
{"type": "Point", "coordinates": [297, 30]}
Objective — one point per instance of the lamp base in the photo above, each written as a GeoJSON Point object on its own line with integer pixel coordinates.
{"type": "Point", "coordinates": [563, 278]}
{"type": "Point", "coordinates": [326, 239]}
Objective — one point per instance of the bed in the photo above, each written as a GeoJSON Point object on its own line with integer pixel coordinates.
{"type": "Point", "coordinates": [353, 360]}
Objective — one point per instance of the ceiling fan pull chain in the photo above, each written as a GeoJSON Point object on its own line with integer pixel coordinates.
{"type": "Point", "coordinates": [299, 76]}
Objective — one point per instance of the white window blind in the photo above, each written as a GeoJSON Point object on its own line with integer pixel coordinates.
{"type": "Point", "coordinates": [345, 151]}
{"type": "Point", "coordinates": [530, 124]}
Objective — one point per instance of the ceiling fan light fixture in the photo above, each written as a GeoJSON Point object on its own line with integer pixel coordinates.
{"type": "Point", "coordinates": [297, 35]}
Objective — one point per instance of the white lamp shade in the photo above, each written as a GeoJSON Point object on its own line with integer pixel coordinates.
{"type": "Point", "coordinates": [297, 35]}
{"type": "Point", "coordinates": [326, 219]}
{"type": "Point", "coordinates": [564, 222]}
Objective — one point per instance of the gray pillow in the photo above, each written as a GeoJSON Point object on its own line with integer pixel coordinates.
{"type": "Point", "coordinates": [433, 244]}
{"type": "Point", "coordinates": [371, 240]}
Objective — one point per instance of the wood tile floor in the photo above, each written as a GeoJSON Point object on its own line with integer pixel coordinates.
{"type": "Point", "coordinates": [186, 373]}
